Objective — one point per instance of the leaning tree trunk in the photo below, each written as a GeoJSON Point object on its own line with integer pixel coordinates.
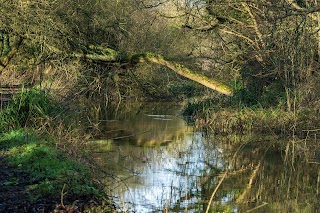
{"type": "Point", "coordinates": [109, 55]}
{"type": "Point", "coordinates": [185, 72]}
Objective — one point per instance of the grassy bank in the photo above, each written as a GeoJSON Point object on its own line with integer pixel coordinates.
{"type": "Point", "coordinates": [224, 119]}
{"type": "Point", "coordinates": [38, 175]}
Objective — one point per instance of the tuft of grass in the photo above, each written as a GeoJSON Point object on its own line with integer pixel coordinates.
{"type": "Point", "coordinates": [15, 138]}
{"type": "Point", "coordinates": [28, 108]}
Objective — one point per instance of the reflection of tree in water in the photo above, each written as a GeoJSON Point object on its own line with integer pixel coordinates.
{"type": "Point", "coordinates": [266, 174]}
{"type": "Point", "coordinates": [263, 177]}
{"type": "Point", "coordinates": [287, 185]}
{"type": "Point", "coordinates": [135, 123]}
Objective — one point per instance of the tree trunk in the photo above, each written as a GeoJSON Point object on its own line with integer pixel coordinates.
{"type": "Point", "coordinates": [185, 72]}
{"type": "Point", "coordinates": [113, 56]}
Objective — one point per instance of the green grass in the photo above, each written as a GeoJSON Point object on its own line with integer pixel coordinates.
{"type": "Point", "coordinates": [49, 168]}
{"type": "Point", "coordinates": [27, 148]}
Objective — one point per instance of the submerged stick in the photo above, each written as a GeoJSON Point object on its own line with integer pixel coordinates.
{"type": "Point", "coordinates": [249, 185]}
{"type": "Point", "coordinates": [222, 179]}
{"type": "Point", "coordinates": [257, 207]}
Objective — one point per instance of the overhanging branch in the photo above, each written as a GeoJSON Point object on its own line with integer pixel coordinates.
{"type": "Point", "coordinates": [113, 56]}
{"type": "Point", "coordinates": [183, 71]}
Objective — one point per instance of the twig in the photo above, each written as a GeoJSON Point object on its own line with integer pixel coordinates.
{"type": "Point", "coordinates": [215, 190]}
{"type": "Point", "coordinates": [62, 195]}
{"type": "Point", "coordinates": [222, 179]}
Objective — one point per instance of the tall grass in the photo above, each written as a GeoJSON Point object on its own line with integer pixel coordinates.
{"type": "Point", "coordinates": [28, 108]}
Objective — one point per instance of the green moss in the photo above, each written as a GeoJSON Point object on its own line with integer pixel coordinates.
{"type": "Point", "coordinates": [182, 70]}
{"type": "Point", "coordinates": [146, 55]}
{"type": "Point", "coordinates": [49, 168]}
{"type": "Point", "coordinates": [203, 77]}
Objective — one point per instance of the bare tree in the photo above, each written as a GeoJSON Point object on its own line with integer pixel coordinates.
{"type": "Point", "coordinates": [272, 47]}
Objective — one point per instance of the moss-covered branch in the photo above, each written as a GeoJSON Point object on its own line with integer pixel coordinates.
{"type": "Point", "coordinates": [108, 55]}
{"type": "Point", "coordinates": [182, 70]}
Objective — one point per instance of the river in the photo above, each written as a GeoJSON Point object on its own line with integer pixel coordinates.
{"type": "Point", "coordinates": [151, 160]}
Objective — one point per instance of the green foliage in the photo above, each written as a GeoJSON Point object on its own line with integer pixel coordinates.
{"type": "Point", "coordinates": [193, 108]}
{"type": "Point", "coordinates": [15, 138]}
{"type": "Point", "coordinates": [246, 97]}
{"type": "Point", "coordinates": [28, 108]}
{"type": "Point", "coordinates": [254, 95]}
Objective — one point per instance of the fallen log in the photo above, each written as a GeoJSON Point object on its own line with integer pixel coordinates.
{"type": "Point", "coordinates": [113, 56]}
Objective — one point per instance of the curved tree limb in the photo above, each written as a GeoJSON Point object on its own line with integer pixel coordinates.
{"type": "Point", "coordinates": [113, 56]}
{"type": "Point", "coordinates": [185, 72]}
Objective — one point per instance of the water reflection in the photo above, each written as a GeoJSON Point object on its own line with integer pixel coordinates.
{"type": "Point", "coordinates": [156, 163]}
{"type": "Point", "coordinates": [160, 177]}
{"type": "Point", "coordinates": [139, 124]}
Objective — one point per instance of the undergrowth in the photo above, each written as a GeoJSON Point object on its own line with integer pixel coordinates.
{"type": "Point", "coordinates": [29, 108]}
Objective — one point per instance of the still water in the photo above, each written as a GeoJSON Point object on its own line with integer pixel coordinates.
{"type": "Point", "coordinates": [151, 160]}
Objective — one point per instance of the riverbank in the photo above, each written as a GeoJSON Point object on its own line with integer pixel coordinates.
{"type": "Point", "coordinates": [275, 121]}
{"type": "Point", "coordinates": [43, 164]}
{"type": "Point", "coordinates": [37, 177]}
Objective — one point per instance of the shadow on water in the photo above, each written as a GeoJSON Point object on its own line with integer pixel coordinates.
{"type": "Point", "coordinates": [157, 163]}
